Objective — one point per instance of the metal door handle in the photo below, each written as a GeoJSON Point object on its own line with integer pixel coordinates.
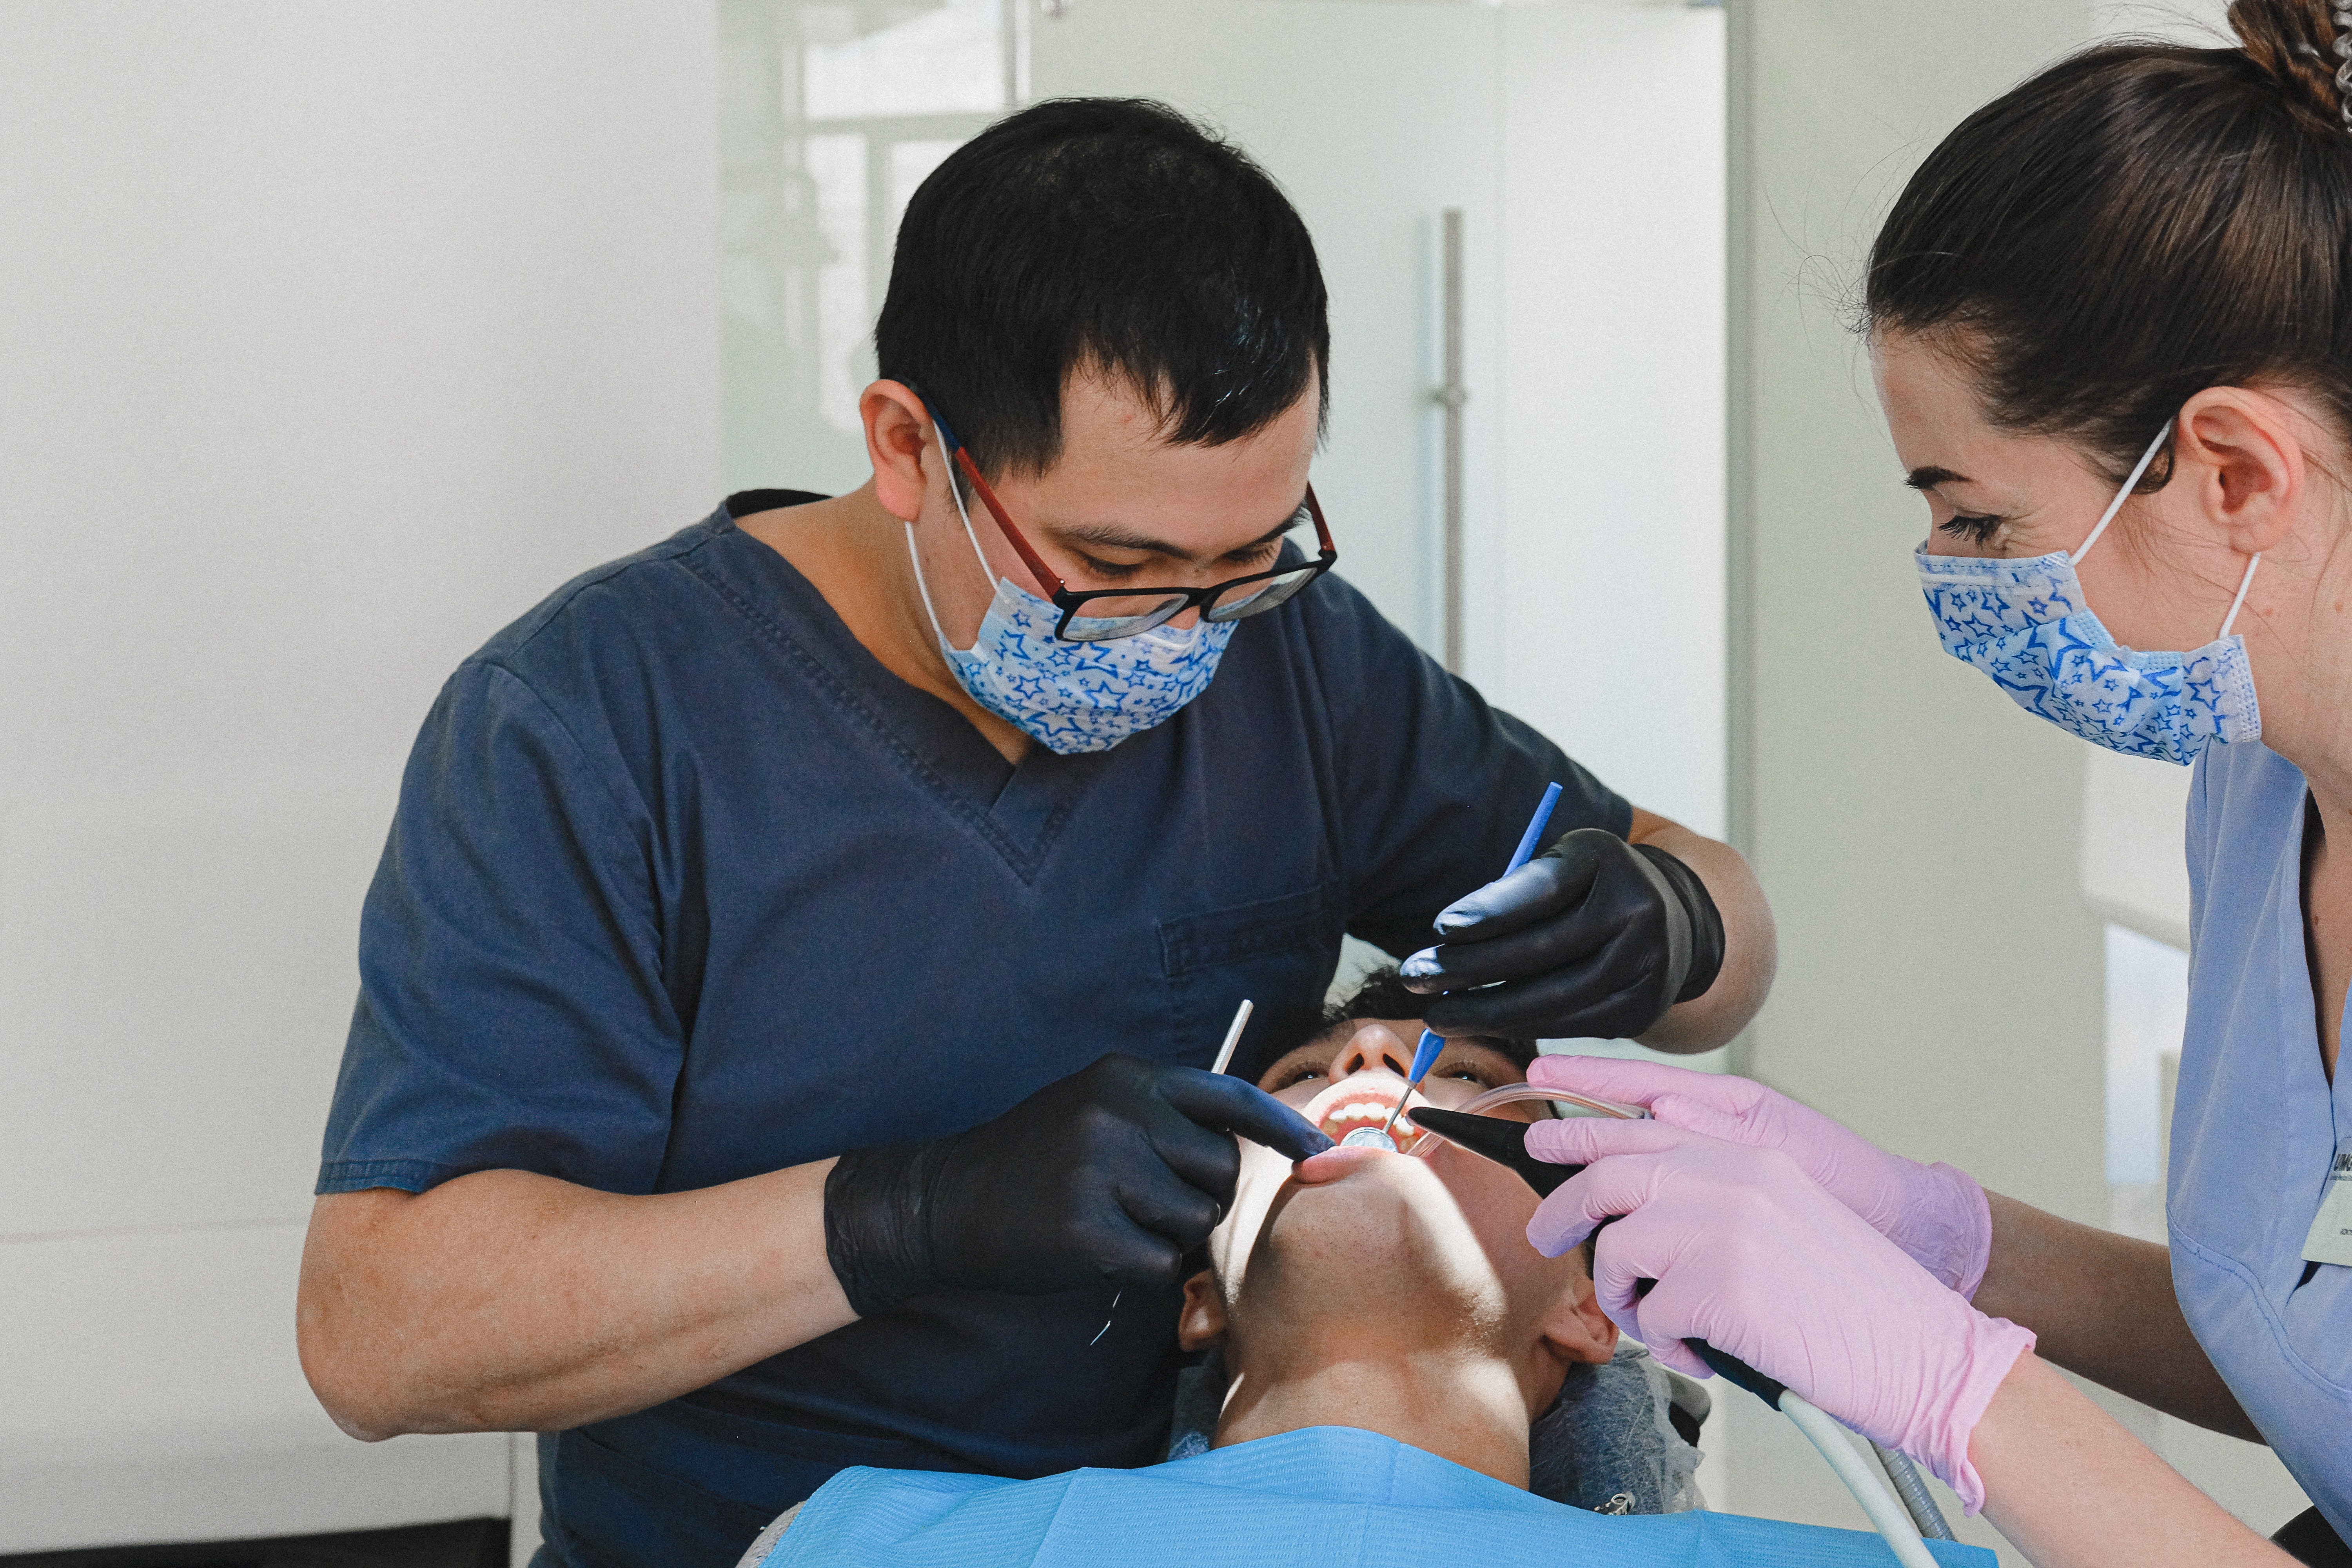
{"type": "Point", "coordinates": [1451, 396]}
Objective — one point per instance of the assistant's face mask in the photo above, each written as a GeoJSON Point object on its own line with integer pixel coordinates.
{"type": "Point", "coordinates": [2026, 624]}
{"type": "Point", "coordinates": [1071, 696]}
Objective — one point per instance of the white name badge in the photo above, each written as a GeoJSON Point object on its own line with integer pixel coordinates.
{"type": "Point", "coordinates": [2330, 1240]}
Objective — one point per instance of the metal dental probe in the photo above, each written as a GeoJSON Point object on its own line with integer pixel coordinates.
{"type": "Point", "coordinates": [1425, 1054]}
{"type": "Point", "coordinates": [1224, 1059]}
{"type": "Point", "coordinates": [1232, 1037]}
{"type": "Point", "coordinates": [1505, 1142]}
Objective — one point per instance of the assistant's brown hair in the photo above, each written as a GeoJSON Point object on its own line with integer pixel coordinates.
{"type": "Point", "coordinates": [2133, 224]}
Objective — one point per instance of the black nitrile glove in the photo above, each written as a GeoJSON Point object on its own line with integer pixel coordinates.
{"type": "Point", "coordinates": [1110, 1175]}
{"type": "Point", "coordinates": [1595, 938]}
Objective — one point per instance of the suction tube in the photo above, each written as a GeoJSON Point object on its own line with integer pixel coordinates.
{"type": "Point", "coordinates": [1520, 1094]}
{"type": "Point", "coordinates": [1903, 1516]}
{"type": "Point", "coordinates": [1902, 1536]}
{"type": "Point", "coordinates": [1917, 1499]}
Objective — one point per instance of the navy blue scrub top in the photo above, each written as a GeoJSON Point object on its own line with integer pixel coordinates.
{"type": "Point", "coordinates": [684, 886]}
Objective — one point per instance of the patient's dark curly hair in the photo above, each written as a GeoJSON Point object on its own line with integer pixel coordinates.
{"type": "Point", "coordinates": [1380, 995]}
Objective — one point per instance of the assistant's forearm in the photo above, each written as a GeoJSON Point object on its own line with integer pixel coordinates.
{"type": "Point", "coordinates": [2103, 1305]}
{"type": "Point", "coordinates": [2071, 1488]}
{"type": "Point", "coordinates": [1750, 952]}
{"type": "Point", "coordinates": [507, 1301]}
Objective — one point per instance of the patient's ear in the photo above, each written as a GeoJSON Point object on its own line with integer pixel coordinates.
{"type": "Point", "coordinates": [1576, 1328]}
{"type": "Point", "coordinates": [1203, 1321]}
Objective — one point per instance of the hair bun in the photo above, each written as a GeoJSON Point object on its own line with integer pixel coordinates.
{"type": "Point", "coordinates": [2304, 47]}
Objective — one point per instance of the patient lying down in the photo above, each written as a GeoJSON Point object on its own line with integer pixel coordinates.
{"type": "Point", "coordinates": [1388, 1292]}
{"type": "Point", "coordinates": [1387, 1338]}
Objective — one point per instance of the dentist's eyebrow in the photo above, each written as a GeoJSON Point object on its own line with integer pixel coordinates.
{"type": "Point", "coordinates": [1110, 536]}
{"type": "Point", "coordinates": [1928, 478]}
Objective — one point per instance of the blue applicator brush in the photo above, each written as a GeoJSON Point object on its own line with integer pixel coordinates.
{"type": "Point", "coordinates": [1425, 1054]}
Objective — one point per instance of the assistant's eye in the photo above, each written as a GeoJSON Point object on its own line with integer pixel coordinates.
{"type": "Point", "coordinates": [1975, 530]}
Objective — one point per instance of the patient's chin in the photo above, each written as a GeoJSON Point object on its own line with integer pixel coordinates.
{"type": "Point", "coordinates": [1379, 1244]}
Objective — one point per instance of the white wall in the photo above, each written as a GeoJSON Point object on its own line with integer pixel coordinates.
{"type": "Point", "coordinates": [1604, 619]}
{"type": "Point", "coordinates": [333, 336]}
{"type": "Point", "coordinates": [2133, 869]}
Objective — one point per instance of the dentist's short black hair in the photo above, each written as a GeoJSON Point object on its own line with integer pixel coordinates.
{"type": "Point", "coordinates": [1104, 234]}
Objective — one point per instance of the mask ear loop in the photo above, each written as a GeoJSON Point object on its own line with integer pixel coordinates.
{"type": "Point", "coordinates": [922, 587]}
{"type": "Point", "coordinates": [955, 493]}
{"type": "Point", "coordinates": [2122, 495]}
{"type": "Point", "coordinates": [915, 556]}
{"type": "Point", "coordinates": [2239, 602]}
{"type": "Point", "coordinates": [2116, 505]}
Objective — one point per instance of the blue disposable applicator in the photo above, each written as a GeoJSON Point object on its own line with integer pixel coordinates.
{"type": "Point", "coordinates": [1425, 1054]}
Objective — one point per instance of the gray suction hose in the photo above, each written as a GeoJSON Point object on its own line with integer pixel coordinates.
{"type": "Point", "coordinates": [1887, 1515]}
{"type": "Point", "coordinates": [1916, 1500]}
{"type": "Point", "coordinates": [1902, 1520]}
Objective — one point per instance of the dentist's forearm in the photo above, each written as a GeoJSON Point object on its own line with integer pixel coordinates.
{"type": "Point", "coordinates": [507, 1301]}
{"type": "Point", "coordinates": [2071, 1488]}
{"type": "Point", "coordinates": [1750, 952]}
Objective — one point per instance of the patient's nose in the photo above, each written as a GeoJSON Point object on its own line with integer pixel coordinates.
{"type": "Point", "coordinates": [1370, 1047]}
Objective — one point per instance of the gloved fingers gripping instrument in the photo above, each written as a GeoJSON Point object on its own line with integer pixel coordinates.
{"type": "Point", "coordinates": [1595, 938]}
{"type": "Point", "coordinates": [1937, 1214]}
{"type": "Point", "coordinates": [1903, 1523]}
{"type": "Point", "coordinates": [1108, 1177]}
{"type": "Point", "coordinates": [1505, 1142]}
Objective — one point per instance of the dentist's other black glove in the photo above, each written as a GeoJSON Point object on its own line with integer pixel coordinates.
{"type": "Point", "coordinates": [1595, 938]}
{"type": "Point", "coordinates": [1110, 1175]}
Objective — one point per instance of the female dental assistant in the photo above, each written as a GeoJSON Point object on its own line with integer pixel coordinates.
{"type": "Point", "coordinates": [2111, 321]}
{"type": "Point", "coordinates": [785, 992]}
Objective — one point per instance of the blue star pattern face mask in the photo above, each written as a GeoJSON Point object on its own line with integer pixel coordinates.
{"type": "Point", "coordinates": [1071, 696]}
{"type": "Point", "coordinates": [2026, 624]}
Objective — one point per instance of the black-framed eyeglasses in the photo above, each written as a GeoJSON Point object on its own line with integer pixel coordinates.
{"type": "Point", "coordinates": [1105, 614]}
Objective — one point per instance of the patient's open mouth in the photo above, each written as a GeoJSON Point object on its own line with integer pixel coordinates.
{"type": "Point", "coordinates": [1363, 1100]}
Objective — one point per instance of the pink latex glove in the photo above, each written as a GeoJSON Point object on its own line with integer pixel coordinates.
{"type": "Point", "coordinates": [1753, 1257]}
{"type": "Point", "coordinates": [1936, 1212]}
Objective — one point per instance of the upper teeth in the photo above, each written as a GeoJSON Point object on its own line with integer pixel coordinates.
{"type": "Point", "coordinates": [1362, 1110]}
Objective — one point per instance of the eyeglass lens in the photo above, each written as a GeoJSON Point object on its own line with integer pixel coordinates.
{"type": "Point", "coordinates": [1256, 598]}
{"type": "Point", "coordinates": [1125, 614]}
{"type": "Point", "coordinates": [1122, 616]}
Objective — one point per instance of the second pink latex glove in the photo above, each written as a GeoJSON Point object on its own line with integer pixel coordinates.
{"type": "Point", "coordinates": [1936, 1212]}
{"type": "Point", "coordinates": [1753, 1257]}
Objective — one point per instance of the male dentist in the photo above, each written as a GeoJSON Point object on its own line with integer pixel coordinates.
{"type": "Point", "coordinates": [784, 992]}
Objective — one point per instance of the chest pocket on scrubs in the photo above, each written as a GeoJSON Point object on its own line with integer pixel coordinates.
{"type": "Point", "coordinates": [1278, 952]}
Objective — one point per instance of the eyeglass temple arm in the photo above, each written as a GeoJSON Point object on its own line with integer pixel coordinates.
{"type": "Point", "coordinates": [1050, 580]}
{"type": "Point", "coordinates": [1322, 529]}
{"type": "Point", "coordinates": [1046, 577]}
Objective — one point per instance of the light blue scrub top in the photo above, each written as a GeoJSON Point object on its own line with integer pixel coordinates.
{"type": "Point", "coordinates": [1324, 1495]}
{"type": "Point", "coordinates": [2256, 1127]}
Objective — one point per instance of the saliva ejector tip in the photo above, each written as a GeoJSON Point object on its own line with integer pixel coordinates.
{"type": "Point", "coordinates": [1368, 1138]}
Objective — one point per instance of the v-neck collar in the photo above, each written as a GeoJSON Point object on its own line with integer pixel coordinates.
{"type": "Point", "coordinates": [1019, 808]}
{"type": "Point", "coordinates": [2306, 1080]}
